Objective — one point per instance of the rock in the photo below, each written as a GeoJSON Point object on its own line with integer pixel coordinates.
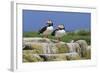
{"type": "Point", "coordinates": [62, 47]}
{"type": "Point", "coordinates": [83, 45]}
{"type": "Point", "coordinates": [73, 56]}
{"type": "Point", "coordinates": [28, 56]}
{"type": "Point", "coordinates": [44, 57]}
{"type": "Point", "coordinates": [35, 39]}
{"type": "Point", "coordinates": [53, 57]}
{"type": "Point", "coordinates": [44, 49]}
{"type": "Point", "coordinates": [44, 45]}
{"type": "Point", "coordinates": [74, 47]}
{"type": "Point", "coordinates": [34, 48]}
{"type": "Point", "coordinates": [88, 53]}
{"type": "Point", "coordinates": [60, 57]}
{"type": "Point", "coordinates": [49, 48]}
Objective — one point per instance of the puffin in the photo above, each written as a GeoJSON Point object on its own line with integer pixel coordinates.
{"type": "Point", "coordinates": [59, 32]}
{"type": "Point", "coordinates": [47, 30]}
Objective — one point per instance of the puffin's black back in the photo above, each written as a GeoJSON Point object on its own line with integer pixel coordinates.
{"type": "Point", "coordinates": [53, 33]}
{"type": "Point", "coordinates": [42, 30]}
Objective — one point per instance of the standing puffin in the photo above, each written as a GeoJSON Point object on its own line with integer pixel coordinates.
{"type": "Point", "coordinates": [47, 30]}
{"type": "Point", "coordinates": [59, 32]}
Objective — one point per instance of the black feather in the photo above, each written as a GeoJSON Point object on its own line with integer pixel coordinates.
{"type": "Point", "coordinates": [50, 24]}
{"type": "Point", "coordinates": [54, 32]}
{"type": "Point", "coordinates": [42, 30]}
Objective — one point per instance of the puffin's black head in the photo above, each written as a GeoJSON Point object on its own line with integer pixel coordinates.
{"type": "Point", "coordinates": [49, 23]}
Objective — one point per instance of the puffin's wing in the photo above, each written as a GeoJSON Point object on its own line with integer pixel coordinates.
{"type": "Point", "coordinates": [53, 33]}
{"type": "Point", "coordinates": [43, 29]}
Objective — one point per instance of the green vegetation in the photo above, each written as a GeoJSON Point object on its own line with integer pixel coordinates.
{"type": "Point", "coordinates": [31, 34]}
{"type": "Point", "coordinates": [79, 35]}
{"type": "Point", "coordinates": [68, 38]}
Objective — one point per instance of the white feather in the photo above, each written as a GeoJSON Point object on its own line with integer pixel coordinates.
{"type": "Point", "coordinates": [48, 31]}
{"type": "Point", "coordinates": [60, 33]}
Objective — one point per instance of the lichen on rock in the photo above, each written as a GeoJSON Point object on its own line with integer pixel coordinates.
{"type": "Point", "coordinates": [62, 47]}
{"type": "Point", "coordinates": [29, 56]}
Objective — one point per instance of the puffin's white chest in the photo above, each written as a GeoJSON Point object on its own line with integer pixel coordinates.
{"type": "Point", "coordinates": [49, 30]}
{"type": "Point", "coordinates": [60, 33]}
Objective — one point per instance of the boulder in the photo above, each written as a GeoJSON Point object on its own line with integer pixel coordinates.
{"type": "Point", "coordinates": [74, 47]}
{"type": "Point", "coordinates": [88, 53]}
{"type": "Point", "coordinates": [53, 57]}
{"type": "Point", "coordinates": [62, 47]}
{"type": "Point", "coordinates": [83, 45]}
{"type": "Point", "coordinates": [28, 56]}
{"type": "Point", "coordinates": [73, 56]}
{"type": "Point", "coordinates": [40, 45]}
{"type": "Point", "coordinates": [44, 49]}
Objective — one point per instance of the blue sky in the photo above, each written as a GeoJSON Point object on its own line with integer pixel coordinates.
{"type": "Point", "coordinates": [34, 20]}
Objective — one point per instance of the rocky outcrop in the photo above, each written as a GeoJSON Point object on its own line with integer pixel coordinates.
{"type": "Point", "coordinates": [43, 49]}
